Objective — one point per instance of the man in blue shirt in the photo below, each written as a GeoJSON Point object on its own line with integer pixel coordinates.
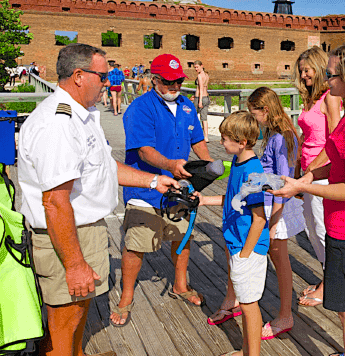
{"type": "Point", "coordinates": [161, 127]}
{"type": "Point", "coordinates": [116, 77]}
{"type": "Point", "coordinates": [135, 72]}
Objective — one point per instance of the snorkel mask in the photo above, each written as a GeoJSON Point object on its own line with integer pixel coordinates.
{"type": "Point", "coordinates": [203, 174]}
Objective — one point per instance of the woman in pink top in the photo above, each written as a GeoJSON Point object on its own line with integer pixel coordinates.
{"type": "Point", "coordinates": [333, 194]}
{"type": "Point", "coordinates": [320, 116]}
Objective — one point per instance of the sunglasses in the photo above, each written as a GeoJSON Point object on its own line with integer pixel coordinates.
{"type": "Point", "coordinates": [103, 76]}
{"type": "Point", "coordinates": [170, 82]}
{"type": "Point", "coordinates": [329, 75]}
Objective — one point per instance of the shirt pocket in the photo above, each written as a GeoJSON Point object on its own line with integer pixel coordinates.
{"type": "Point", "coordinates": [93, 171]}
{"type": "Point", "coordinates": [95, 159]}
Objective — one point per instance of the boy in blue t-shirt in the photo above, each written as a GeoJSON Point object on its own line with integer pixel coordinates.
{"type": "Point", "coordinates": [246, 235]}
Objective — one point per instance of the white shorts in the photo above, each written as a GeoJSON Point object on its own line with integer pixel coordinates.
{"type": "Point", "coordinates": [248, 276]}
{"type": "Point", "coordinates": [291, 221]}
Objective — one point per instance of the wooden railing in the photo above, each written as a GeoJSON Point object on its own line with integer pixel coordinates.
{"type": "Point", "coordinates": [44, 89]}
{"type": "Point", "coordinates": [130, 94]}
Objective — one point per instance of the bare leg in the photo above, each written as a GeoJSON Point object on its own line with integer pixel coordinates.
{"type": "Point", "coordinates": [252, 322]}
{"type": "Point", "coordinates": [181, 264]}
{"type": "Point", "coordinates": [280, 257]}
{"type": "Point", "coordinates": [105, 97]}
{"type": "Point", "coordinates": [130, 266]}
{"type": "Point", "coordinates": [118, 103]}
{"type": "Point", "coordinates": [205, 128]}
{"type": "Point", "coordinates": [230, 300]}
{"type": "Point", "coordinates": [113, 96]}
{"type": "Point", "coordinates": [66, 325]}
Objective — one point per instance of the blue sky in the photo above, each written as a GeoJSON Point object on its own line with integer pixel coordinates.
{"type": "Point", "coordinates": [300, 7]}
{"type": "Point", "coordinates": [70, 34]}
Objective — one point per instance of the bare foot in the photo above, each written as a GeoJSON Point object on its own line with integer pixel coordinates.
{"type": "Point", "coordinates": [121, 315]}
{"type": "Point", "coordinates": [312, 288]}
{"type": "Point", "coordinates": [277, 326]}
{"type": "Point", "coordinates": [119, 319]}
{"type": "Point", "coordinates": [312, 298]}
{"type": "Point", "coordinates": [195, 299]}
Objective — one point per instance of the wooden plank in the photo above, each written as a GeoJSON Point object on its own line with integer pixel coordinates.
{"type": "Point", "coordinates": [154, 338]}
{"type": "Point", "coordinates": [97, 339]}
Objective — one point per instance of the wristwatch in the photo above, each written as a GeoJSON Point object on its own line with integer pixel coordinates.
{"type": "Point", "coordinates": [154, 183]}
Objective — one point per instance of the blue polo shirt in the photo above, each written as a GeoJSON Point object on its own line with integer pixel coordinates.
{"type": "Point", "coordinates": [149, 122]}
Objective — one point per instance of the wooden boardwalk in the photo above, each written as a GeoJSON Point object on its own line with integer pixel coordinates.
{"type": "Point", "coordinates": [163, 326]}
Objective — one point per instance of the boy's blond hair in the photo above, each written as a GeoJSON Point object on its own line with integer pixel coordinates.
{"type": "Point", "coordinates": [239, 126]}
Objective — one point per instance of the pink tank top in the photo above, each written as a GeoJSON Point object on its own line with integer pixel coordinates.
{"type": "Point", "coordinates": [315, 129]}
{"type": "Point", "coordinates": [334, 211]}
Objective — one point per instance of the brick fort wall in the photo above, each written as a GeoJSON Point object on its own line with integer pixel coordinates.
{"type": "Point", "coordinates": [134, 20]}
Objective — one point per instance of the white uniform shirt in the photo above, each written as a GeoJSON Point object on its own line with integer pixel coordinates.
{"type": "Point", "coordinates": [56, 148]}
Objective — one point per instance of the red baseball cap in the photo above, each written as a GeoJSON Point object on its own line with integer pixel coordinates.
{"type": "Point", "coordinates": [167, 66]}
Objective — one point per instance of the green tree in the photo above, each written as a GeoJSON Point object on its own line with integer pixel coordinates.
{"type": "Point", "coordinates": [148, 41]}
{"type": "Point", "coordinates": [12, 34]}
{"type": "Point", "coordinates": [65, 40]}
{"type": "Point", "coordinates": [111, 39]}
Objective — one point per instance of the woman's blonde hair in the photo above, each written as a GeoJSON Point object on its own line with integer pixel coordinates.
{"type": "Point", "coordinates": [340, 53]}
{"type": "Point", "coordinates": [317, 59]}
{"type": "Point", "coordinates": [277, 119]}
{"type": "Point", "coordinates": [239, 126]}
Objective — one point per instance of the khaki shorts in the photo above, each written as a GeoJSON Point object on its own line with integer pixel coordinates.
{"type": "Point", "coordinates": [93, 239]}
{"type": "Point", "coordinates": [146, 229]}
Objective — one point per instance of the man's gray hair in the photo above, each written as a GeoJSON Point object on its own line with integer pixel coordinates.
{"type": "Point", "coordinates": [73, 56]}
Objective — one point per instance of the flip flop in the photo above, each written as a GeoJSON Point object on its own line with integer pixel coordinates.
{"type": "Point", "coordinates": [120, 311]}
{"type": "Point", "coordinates": [228, 314]}
{"type": "Point", "coordinates": [310, 289]}
{"type": "Point", "coordinates": [318, 300]}
{"type": "Point", "coordinates": [275, 331]}
{"type": "Point", "coordinates": [185, 295]}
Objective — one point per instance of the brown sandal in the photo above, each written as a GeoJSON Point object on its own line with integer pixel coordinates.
{"type": "Point", "coordinates": [185, 295]}
{"type": "Point", "coordinates": [120, 311]}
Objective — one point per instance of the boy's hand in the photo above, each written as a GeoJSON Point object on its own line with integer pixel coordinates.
{"type": "Point", "coordinates": [201, 198]}
{"type": "Point", "coordinates": [245, 254]}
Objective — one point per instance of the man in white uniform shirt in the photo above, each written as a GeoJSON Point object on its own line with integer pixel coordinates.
{"type": "Point", "coordinates": [70, 183]}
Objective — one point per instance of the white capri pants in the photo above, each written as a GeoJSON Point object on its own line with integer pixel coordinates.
{"type": "Point", "coordinates": [314, 218]}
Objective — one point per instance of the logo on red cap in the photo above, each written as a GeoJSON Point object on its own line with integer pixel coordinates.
{"type": "Point", "coordinates": [173, 64]}
{"type": "Point", "coordinates": [168, 66]}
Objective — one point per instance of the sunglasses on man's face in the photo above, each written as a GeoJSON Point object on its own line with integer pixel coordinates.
{"type": "Point", "coordinates": [329, 75]}
{"type": "Point", "coordinates": [170, 82]}
{"type": "Point", "coordinates": [103, 76]}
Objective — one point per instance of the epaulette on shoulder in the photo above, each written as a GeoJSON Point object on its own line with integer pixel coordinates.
{"type": "Point", "coordinates": [64, 109]}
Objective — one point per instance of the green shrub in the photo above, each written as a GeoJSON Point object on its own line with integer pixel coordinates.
{"type": "Point", "coordinates": [22, 107]}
